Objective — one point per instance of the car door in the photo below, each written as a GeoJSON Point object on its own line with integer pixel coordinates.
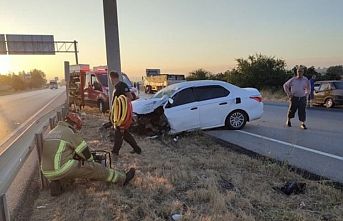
{"type": "Point", "coordinates": [321, 93]}
{"type": "Point", "coordinates": [183, 113]}
{"type": "Point", "coordinates": [94, 90]}
{"type": "Point", "coordinates": [213, 105]}
{"type": "Point", "coordinates": [87, 89]}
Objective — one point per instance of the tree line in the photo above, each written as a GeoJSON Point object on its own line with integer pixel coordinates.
{"type": "Point", "coordinates": [24, 80]}
{"type": "Point", "coordinates": [263, 72]}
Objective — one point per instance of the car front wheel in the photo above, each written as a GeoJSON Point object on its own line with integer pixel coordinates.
{"type": "Point", "coordinates": [236, 120]}
{"type": "Point", "coordinates": [329, 103]}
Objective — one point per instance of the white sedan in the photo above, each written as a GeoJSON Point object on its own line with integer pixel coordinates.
{"type": "Point", "coordinates": [204, 104]}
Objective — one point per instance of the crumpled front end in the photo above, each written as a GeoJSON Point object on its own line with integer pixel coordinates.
{"type": "Point", "coordinates": [151, 124]}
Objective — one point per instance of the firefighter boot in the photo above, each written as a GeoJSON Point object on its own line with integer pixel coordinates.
{"type": "Point", "coordinates": [56, 188]}
{"type": "Point", "coordinates": [129, 176]}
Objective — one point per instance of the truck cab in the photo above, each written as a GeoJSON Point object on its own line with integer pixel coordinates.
{"type": "Point", "coordinates": [155, 82]}
{"type": "Point", "coordinates": [95, 88]}
{"type": "Point", "coordinates": [53, 84]}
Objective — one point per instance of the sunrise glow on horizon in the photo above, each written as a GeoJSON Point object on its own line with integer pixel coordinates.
{"type": "Point", "coordinates": [180, 36]}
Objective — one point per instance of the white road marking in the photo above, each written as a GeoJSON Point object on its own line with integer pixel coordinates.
{"type": "Point", "coordinates": [293, 145]}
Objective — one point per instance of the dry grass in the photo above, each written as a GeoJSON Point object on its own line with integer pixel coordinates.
{"type": "Point", "coordinates": [274, 96]}
{"type": "Point", "coordinates": [182, 177]}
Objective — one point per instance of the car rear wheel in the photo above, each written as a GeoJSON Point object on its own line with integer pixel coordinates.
{"type": "Point", "coordinates": [236, 120]}
{"type": "Point", "coordinates": [329, 103]}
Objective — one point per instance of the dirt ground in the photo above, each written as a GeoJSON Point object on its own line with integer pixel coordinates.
{"type": "Point", "coordinates": [193, 176]}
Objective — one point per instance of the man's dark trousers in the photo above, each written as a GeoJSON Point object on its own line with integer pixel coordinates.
{"type": "Point", "coordinates": [297, 103]}
{"type": "Point", "coordinates": [119, 135]}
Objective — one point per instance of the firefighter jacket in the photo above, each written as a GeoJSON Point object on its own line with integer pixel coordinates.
{"type": "Point", "coordinates": [63, 148]}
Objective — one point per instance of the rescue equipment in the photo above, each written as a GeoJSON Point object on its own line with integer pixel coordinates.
{"type": "Point", "coordinates": [121, 112]}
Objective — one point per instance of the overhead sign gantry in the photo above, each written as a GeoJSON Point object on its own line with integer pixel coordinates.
{"type": "Point", "coordinates": [13, 44]}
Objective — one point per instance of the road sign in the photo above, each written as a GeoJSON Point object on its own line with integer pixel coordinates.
{"type": "Point", "coordinates": [30, 44]}
{"type": "Point", "coordinates": [2, 45]}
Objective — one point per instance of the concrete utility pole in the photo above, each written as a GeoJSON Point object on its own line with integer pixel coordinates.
{"type": "Point", "coordinates": [112, 41]}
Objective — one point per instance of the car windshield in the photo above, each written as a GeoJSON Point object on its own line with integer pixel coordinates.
{"type": "Point", "coordinates": [169, 91]}
{"type": "Point", "coordinates": [338, 85]}
{"type": "Point", "coordinates": [127, 81]}
{"type": "Point", "coordinates": [103, 80]}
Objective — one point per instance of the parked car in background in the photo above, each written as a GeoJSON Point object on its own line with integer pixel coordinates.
{"type": "Point", "coordinates": [53, 84]}
{"type": "Point", "coordinates": [201, 105]}
{"type": "Point", "coordinates": [328, 93]}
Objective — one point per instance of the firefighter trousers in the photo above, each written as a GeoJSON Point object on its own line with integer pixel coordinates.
{"type": "Point", "coordinates": [119, 136]}
{"type": "Point", "coordinates": [95, 171]}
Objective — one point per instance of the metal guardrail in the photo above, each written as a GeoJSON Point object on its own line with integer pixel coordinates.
{"type": "Point", "coordinates": [14, 156]}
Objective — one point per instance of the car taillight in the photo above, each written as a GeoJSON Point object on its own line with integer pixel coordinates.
{"type": "Point", "coordinates": [257, 98]}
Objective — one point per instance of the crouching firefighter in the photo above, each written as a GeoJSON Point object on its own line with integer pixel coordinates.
{"type": "Point", "coordinates": [66, 156]}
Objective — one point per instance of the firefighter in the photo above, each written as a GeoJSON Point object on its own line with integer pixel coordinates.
{"type": "Point", "coordinates": [66, 156]}
{"type": "Point", "coordinates": [120, 88]}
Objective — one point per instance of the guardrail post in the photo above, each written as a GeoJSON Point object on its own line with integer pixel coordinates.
{"type": "Point", "coordinates": [55, 121]}
{"type": "Point", "coordinates": [52, 122]}
{"type": "Point", "coordinates": [64, 112]}
{"type": "Point", "coordinates": [59, 116]}
{"type": "Point", "coordinates": [4, 214]}
{"type": "Point", "coordinates": [39, 145]}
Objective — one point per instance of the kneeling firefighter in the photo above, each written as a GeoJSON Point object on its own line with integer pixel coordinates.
{"type": "Point", "coordinates": [66, 156]}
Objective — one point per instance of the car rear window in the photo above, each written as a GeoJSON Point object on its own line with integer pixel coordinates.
{"type": "Point", "coordinates": [210, 92]}
{"type": "Point", "coordinates": [338, 85]}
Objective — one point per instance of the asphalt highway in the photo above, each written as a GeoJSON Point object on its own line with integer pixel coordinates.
{"type": "Point", "coordinates": [318, 150]}
{"type": "Point", "coordinates": [16, 109]}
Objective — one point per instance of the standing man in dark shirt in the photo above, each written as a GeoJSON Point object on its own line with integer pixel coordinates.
{"type": "Point", "coordinates": [120, 88]}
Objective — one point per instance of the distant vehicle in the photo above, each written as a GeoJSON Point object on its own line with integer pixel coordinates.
{"type": "Point", "coordinates": [155, 81]}
{"type": "Point", "coordinates": [53, 84]}
{"type": "Point", "coordinates": [202, 105]}
{"type": "Point", "coordinates": [328, 93]}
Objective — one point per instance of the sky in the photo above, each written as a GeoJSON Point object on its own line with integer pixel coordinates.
{"type": "Point", "coordinates": [179, 36]}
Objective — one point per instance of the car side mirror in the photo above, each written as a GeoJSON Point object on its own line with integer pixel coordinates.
{"type": "Point", "coordinates": [170, 103]}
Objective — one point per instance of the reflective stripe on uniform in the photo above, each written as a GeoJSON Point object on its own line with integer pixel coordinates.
{"type": "Point", "coordinates": [61, 171]}
{"type": "Point", "coordinates": [91, 159]}
{"type": "Point", "coordinates": [110, 176]}
{"type": "Point", "coordinates": [81, 147]}
{"type": "Point", "coordinates": [58, 155]}
{"type": "Point", "coordinates": [118, 176]}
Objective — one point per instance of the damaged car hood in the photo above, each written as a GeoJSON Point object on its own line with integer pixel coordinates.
{"type": "Point", "coordinates": [146, 106]}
